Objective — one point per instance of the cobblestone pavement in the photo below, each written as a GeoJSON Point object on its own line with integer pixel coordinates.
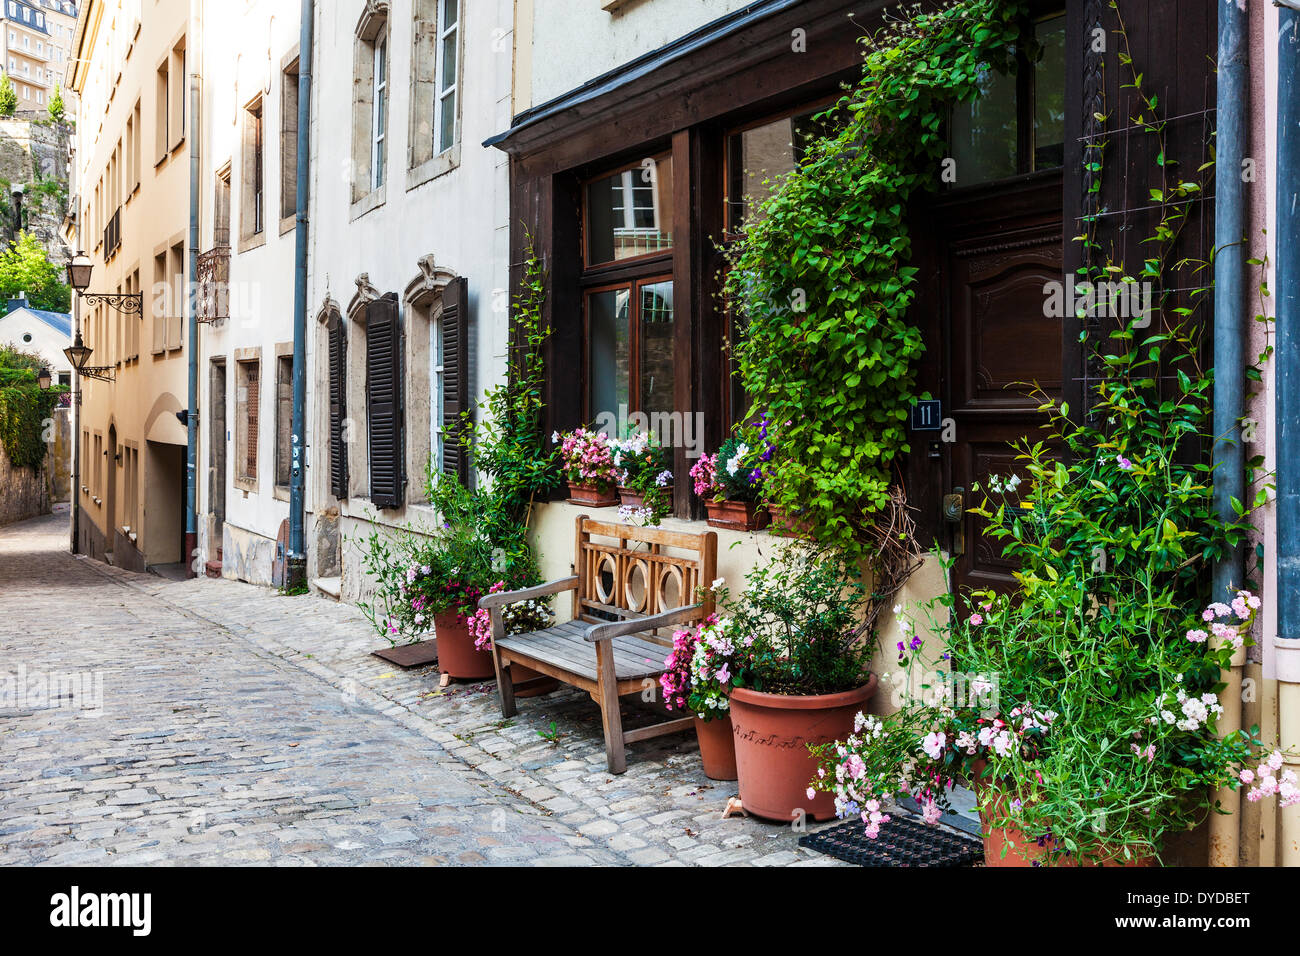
{"type": "Point", "coordinates": [242, 726]}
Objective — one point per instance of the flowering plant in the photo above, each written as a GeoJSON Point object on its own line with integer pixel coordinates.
{"type": "Point", "coordinates": [642, 466]}
{"type": "Point", "coordinates": [521, 617]}
{"type": "Point", "coordinates": [587, 457]}
{"type": "Point", "coordinates": [701, 667]}
{"type": "Point", "coordinates": [735, 473]}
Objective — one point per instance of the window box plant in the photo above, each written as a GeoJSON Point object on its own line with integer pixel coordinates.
{"type": "Point", "coordinates": [645, 480]}
{"type": "Point", "coordinates": [796, 656]}
{"type": "Point", "coordinates": [696, 679]}
{"type": "Point", "coordinates": [731, 483]}
{"type": "Point", "coordinates": [587, 461]}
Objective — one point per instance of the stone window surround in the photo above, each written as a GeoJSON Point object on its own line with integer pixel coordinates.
{"type": "Point", "coordinates": [423, 162]}
{"type": "Point", "coordinates": [253, 354]}
{"type": "Point", "coordinates": [279, 492]}
{"type": "Point", "coordinates": [373, 23]}
{"type": "Point", "coordinates": [358, 406]}
{"type": "Point", "coordinates": [423, 301]}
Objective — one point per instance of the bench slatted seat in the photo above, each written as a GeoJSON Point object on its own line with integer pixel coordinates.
{"type": "Point", "coordinates": [629, 584]}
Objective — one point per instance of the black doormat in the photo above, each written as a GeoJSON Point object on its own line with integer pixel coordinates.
{"type": "Point", "coordinates": [410, 655]}
{"type": "Point", "coordinates": [903, 841]}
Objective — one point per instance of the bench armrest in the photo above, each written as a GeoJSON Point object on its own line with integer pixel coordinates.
{"type": "Point", "coordinates": [635, 625]}
{"type": "Point", "coordinates": [502, 598]}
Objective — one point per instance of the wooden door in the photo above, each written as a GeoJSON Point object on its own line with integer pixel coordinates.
{"type": "Point", "coordinates": [992, 340]}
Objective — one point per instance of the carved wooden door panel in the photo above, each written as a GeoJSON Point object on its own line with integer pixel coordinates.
{"type": "Point", "coordinates": [1002, 343]}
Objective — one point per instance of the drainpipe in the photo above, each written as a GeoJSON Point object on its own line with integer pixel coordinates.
{"type": "Point", "coordinates": [1230, 365]}
{"type": "Point", "coordinates": [1286, 644]}
{"type": "Point", "coordinates": [195, 46]}
{"type": "Point", "coordinates": [296, 566]}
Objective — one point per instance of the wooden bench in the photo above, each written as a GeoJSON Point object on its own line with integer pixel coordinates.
{"type": "Point", "coordinates": [629, 582]}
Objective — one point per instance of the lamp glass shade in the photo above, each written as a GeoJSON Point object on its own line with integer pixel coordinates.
{"type": "Point", "coordinates": [79, 270]}
{"type": "Point", "coordinates": [43, 378]}
{"type": "Point", "coordinates": [78, 354]}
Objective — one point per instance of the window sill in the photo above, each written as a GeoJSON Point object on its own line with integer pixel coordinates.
{"type": "Point", "coordinates": [431, 169]}
{"type": "Point", "coordinates": [246, 485]}
{"type": "Point", "coordinates": [249, 243]}
{"type": "Point", "coordinates": [281, 493]}
{"type": "Point", "coordinates": [372, 200]}
{"type": "Point", "coordinates": [288, 224]}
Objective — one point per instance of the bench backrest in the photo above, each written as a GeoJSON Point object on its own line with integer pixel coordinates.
{"type": "Point", "coordinates": [628, 571]}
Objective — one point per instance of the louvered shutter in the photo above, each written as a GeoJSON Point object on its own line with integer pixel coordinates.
{"type": "Point", "coordinates": [384, 391]}
{"type": "Point", "coordinates": [338, 408]}
{"type": "Point", "coordinates": [455, 377]}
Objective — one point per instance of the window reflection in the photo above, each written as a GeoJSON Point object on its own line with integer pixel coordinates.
{"type": "Point", "coordinates": [629, 213]}
{"type": "Point", "coordinates": [656, 346]}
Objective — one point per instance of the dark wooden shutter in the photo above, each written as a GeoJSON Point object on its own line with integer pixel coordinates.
{"type": "Point", "coordinates": [455, 378]}
{"type": "Point", "coordinates": [384, 391]}
{"type": "Point", "coordinates": [338, 408]}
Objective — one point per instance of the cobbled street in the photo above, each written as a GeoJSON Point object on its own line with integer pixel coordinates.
{"type": "Point", "coordinates": [212, 722]}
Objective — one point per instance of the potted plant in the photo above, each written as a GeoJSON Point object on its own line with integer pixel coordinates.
{"type": "Point", "coordinates": [799, 649]}
{"type": "Point", "coordinates": [645, 480]}
{"type": "Point", "coordinates": [522, 617]}
{"type": "Point", "coordinates": [731, 483]}
{"type": "Point", "coordinates": [698, 673]}
{"type": "Point", "coordinates": [587, 461]}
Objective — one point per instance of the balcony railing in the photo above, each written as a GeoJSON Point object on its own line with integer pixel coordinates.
{"type": "Point", "coordinates": [214, 285]}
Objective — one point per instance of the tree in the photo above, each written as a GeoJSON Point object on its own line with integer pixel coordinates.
{"type": "Point", "coordinates": [25, 267]}
{"type": "Point", "coordinates": [56, 104]}
{"type": "Point", "coordinates": [8, 95]}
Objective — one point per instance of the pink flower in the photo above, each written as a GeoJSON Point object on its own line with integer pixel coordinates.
{"type": "Point", "coordinates": [1197, 636]}
{"type": "Point", "coordinates": [976, 619]}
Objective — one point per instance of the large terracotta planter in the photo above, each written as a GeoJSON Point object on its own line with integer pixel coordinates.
{"type": "Point", "coordinates": [773, 733]}
{"type": "Point", "coordinates": [717, 747]}
{"type": "Point", "coordinates": [737, 515]}
{"type": "Point", "coordinates": [593, 496]}
{"type": "Point", "coordinates": [631, 498]}
{"type": "Point", "coordinates": [457, 655]}
{"type": "Point", "coordinates": [786, 525]}
{"type": "Point", "coordinates": [1022, 851]}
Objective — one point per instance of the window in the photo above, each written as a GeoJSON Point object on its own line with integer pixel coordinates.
{"type": "Point", "coordinates": [131, 491]}
{"type": "Point", "coordinates": [629, 212]}
{"type": "Point", "coordinates": [175, 324]}
{"type": "Point", "coordinates": [630, 348]}
{"type": "Point", "coordinates": [439, 366]}
{"type": "Point", "coordinates": [435, 88]}
{"type": "Point", "coordinates": [1017, 125]}
{"type": "Point", "coordinates": [338, 405]}
{"type": "Point", "coordinates": [283, 420]}
{"type": "Point", "coordinates": [380, 96]}
{"type": "Point", "coordinates": [162, 113]}
{"type": "Point", "coordinates": [370, 104]}
{"type": "Point", "coordinates": [221, 209]}
{"type": "Point", "coordinates": [448, 75]}
{"type": "Point", "coordinates": [252, 185]}
{"type": "Point", "coordinates": [247, 399]}
{"type": "Point", "coordinates": [289, 142]}
{"type": "Point", "coordinates": [384, 402]}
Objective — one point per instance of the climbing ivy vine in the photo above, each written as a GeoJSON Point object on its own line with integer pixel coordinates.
{"type": "Point", "coordinates": [821, 278]}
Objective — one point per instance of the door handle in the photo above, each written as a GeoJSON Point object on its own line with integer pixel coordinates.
{"type": "Point", "coordinates": [954, 513]}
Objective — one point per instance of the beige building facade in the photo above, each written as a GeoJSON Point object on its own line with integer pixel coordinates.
{"type": "Point", "coordinates": [131, 200]}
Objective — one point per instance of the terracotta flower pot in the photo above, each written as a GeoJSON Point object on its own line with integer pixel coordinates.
{"type": "Point", "coordinates": [593, 496]}
{"type": "Point", "coordinates": [773, 733]}
{"type": "Point", "coordinates": [785, 525]}
{"type": "Point", "coordinates": [1023, 851]}
{"type": "Point", "coordinates": [717, 747]}
{"type": "Point", "coordinates": [737, 515]}
{"type": "Point", "coordinates": [457, 655]}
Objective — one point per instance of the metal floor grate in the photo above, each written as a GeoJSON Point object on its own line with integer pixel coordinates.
{"type": "Point", "coordinates": [903, 841]}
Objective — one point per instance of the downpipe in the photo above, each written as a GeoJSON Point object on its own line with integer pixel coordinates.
{"type": "Point", "coordinates": [195, 43]}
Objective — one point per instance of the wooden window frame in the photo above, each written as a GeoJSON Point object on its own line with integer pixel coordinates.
{"type": "Point", "coordinates": [633, 287]}
{"type": "Point", "coordinates": [608, 265]}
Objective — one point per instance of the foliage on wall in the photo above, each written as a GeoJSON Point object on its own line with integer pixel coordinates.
{"type": "Point", "coordinates": [24, 408]}
{"type": "Point", "coordinates": [25, 267]}
{"type": "Point", "coordinates": [820, 278]}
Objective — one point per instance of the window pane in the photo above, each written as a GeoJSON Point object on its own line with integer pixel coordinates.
{"type": "Point", "coordinates": [630, 213]}
{"type": "Point", "coordinates": [448, 13]}
{"type": "Point", "coordinates": [983, 133]}
{"type": "Point", "coordinates": [447, 123]}
{"type": "Point", "coordinates": [656, 317]}
{"type": "Point", "coordinates": [768, 153]}
{"type": "Point", "coordinates": [449, 60]}
{"type": "Point", "coordinates": [1049, 94]}
{"type": "Point", "coordinates": [607, 317]}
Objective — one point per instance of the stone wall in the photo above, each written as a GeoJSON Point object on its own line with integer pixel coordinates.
{"type": "Point", "coordinates": [31, 149]}
{"type": "Point", "coordinates": [24, 492]}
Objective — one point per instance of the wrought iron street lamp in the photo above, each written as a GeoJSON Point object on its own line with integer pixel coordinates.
{"type": "Point", "coordinates": [79, 354]}
{"type": "Point", "coordinates": [43, 379]}
{"type": "Point", "coordinates": [79, 271]}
